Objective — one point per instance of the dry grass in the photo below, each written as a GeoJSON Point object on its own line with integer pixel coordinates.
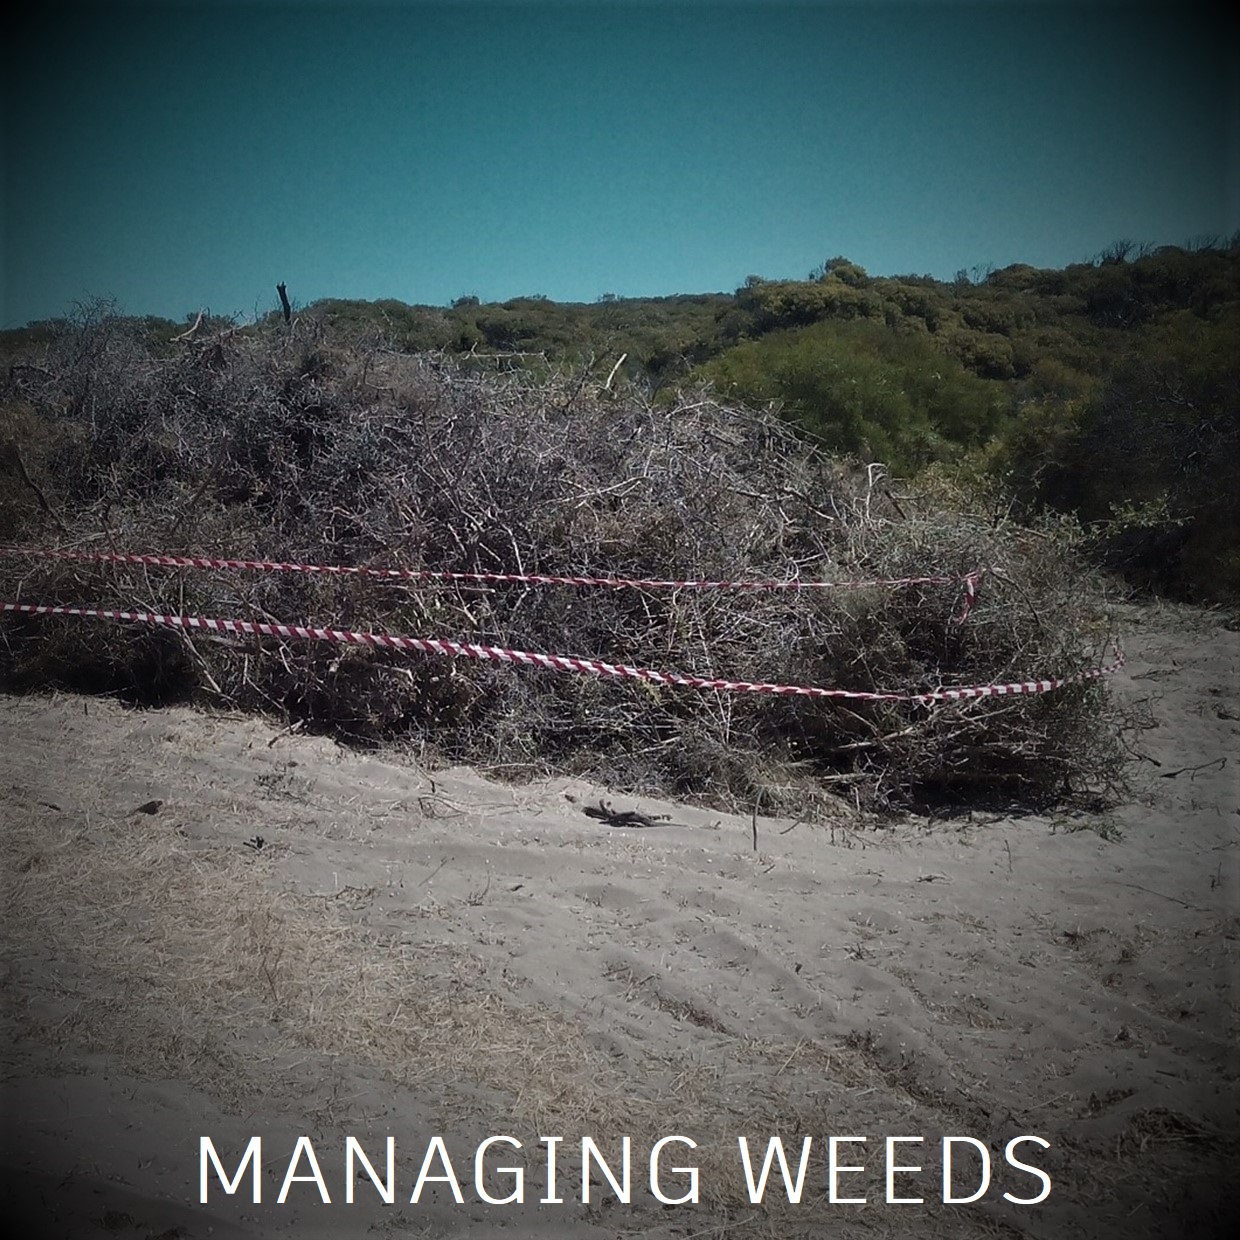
{"type": "Point", "coordinates": [184, 963]}
{"type": "Point", "coordinates": [197, 940]}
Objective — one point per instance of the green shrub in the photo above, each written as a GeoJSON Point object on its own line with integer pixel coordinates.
{"type": "Point", "coordinates": [865, 390]}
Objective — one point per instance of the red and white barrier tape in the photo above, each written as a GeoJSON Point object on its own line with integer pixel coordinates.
{"type": "Point", "coordinates": [969, 580]}
{"type": "Point", "coordinates": [560, 663]}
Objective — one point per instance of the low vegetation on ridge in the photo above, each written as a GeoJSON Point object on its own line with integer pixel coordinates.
{"type": "Point", "coordinates": [1108, 391]}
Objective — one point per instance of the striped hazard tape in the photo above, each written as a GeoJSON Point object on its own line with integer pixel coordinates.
{"type": "Point", "coordinates": [968, 580]}
{"type": "Point", "coordinates": [560, 663]}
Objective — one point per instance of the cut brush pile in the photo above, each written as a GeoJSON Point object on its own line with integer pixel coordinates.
{"type": "Point", "coordinates": [250, 445]}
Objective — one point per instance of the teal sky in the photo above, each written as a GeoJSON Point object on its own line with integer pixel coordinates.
{"type": "Point", "coordinates": [180, 155]}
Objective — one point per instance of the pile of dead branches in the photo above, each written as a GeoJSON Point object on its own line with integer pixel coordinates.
{"type": "Point", "coordinates": [254, 444]}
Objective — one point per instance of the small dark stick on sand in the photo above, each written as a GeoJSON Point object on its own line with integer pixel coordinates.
{"type": "Point", "coordinates": [621, 818]}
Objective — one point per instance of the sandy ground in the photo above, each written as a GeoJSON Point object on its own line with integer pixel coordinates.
{"type": "Point", "coordinates": [414, 953]}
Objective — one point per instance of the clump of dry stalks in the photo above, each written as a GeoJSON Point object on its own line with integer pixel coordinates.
{"type": "Point", "coordinates": [253, 445]}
